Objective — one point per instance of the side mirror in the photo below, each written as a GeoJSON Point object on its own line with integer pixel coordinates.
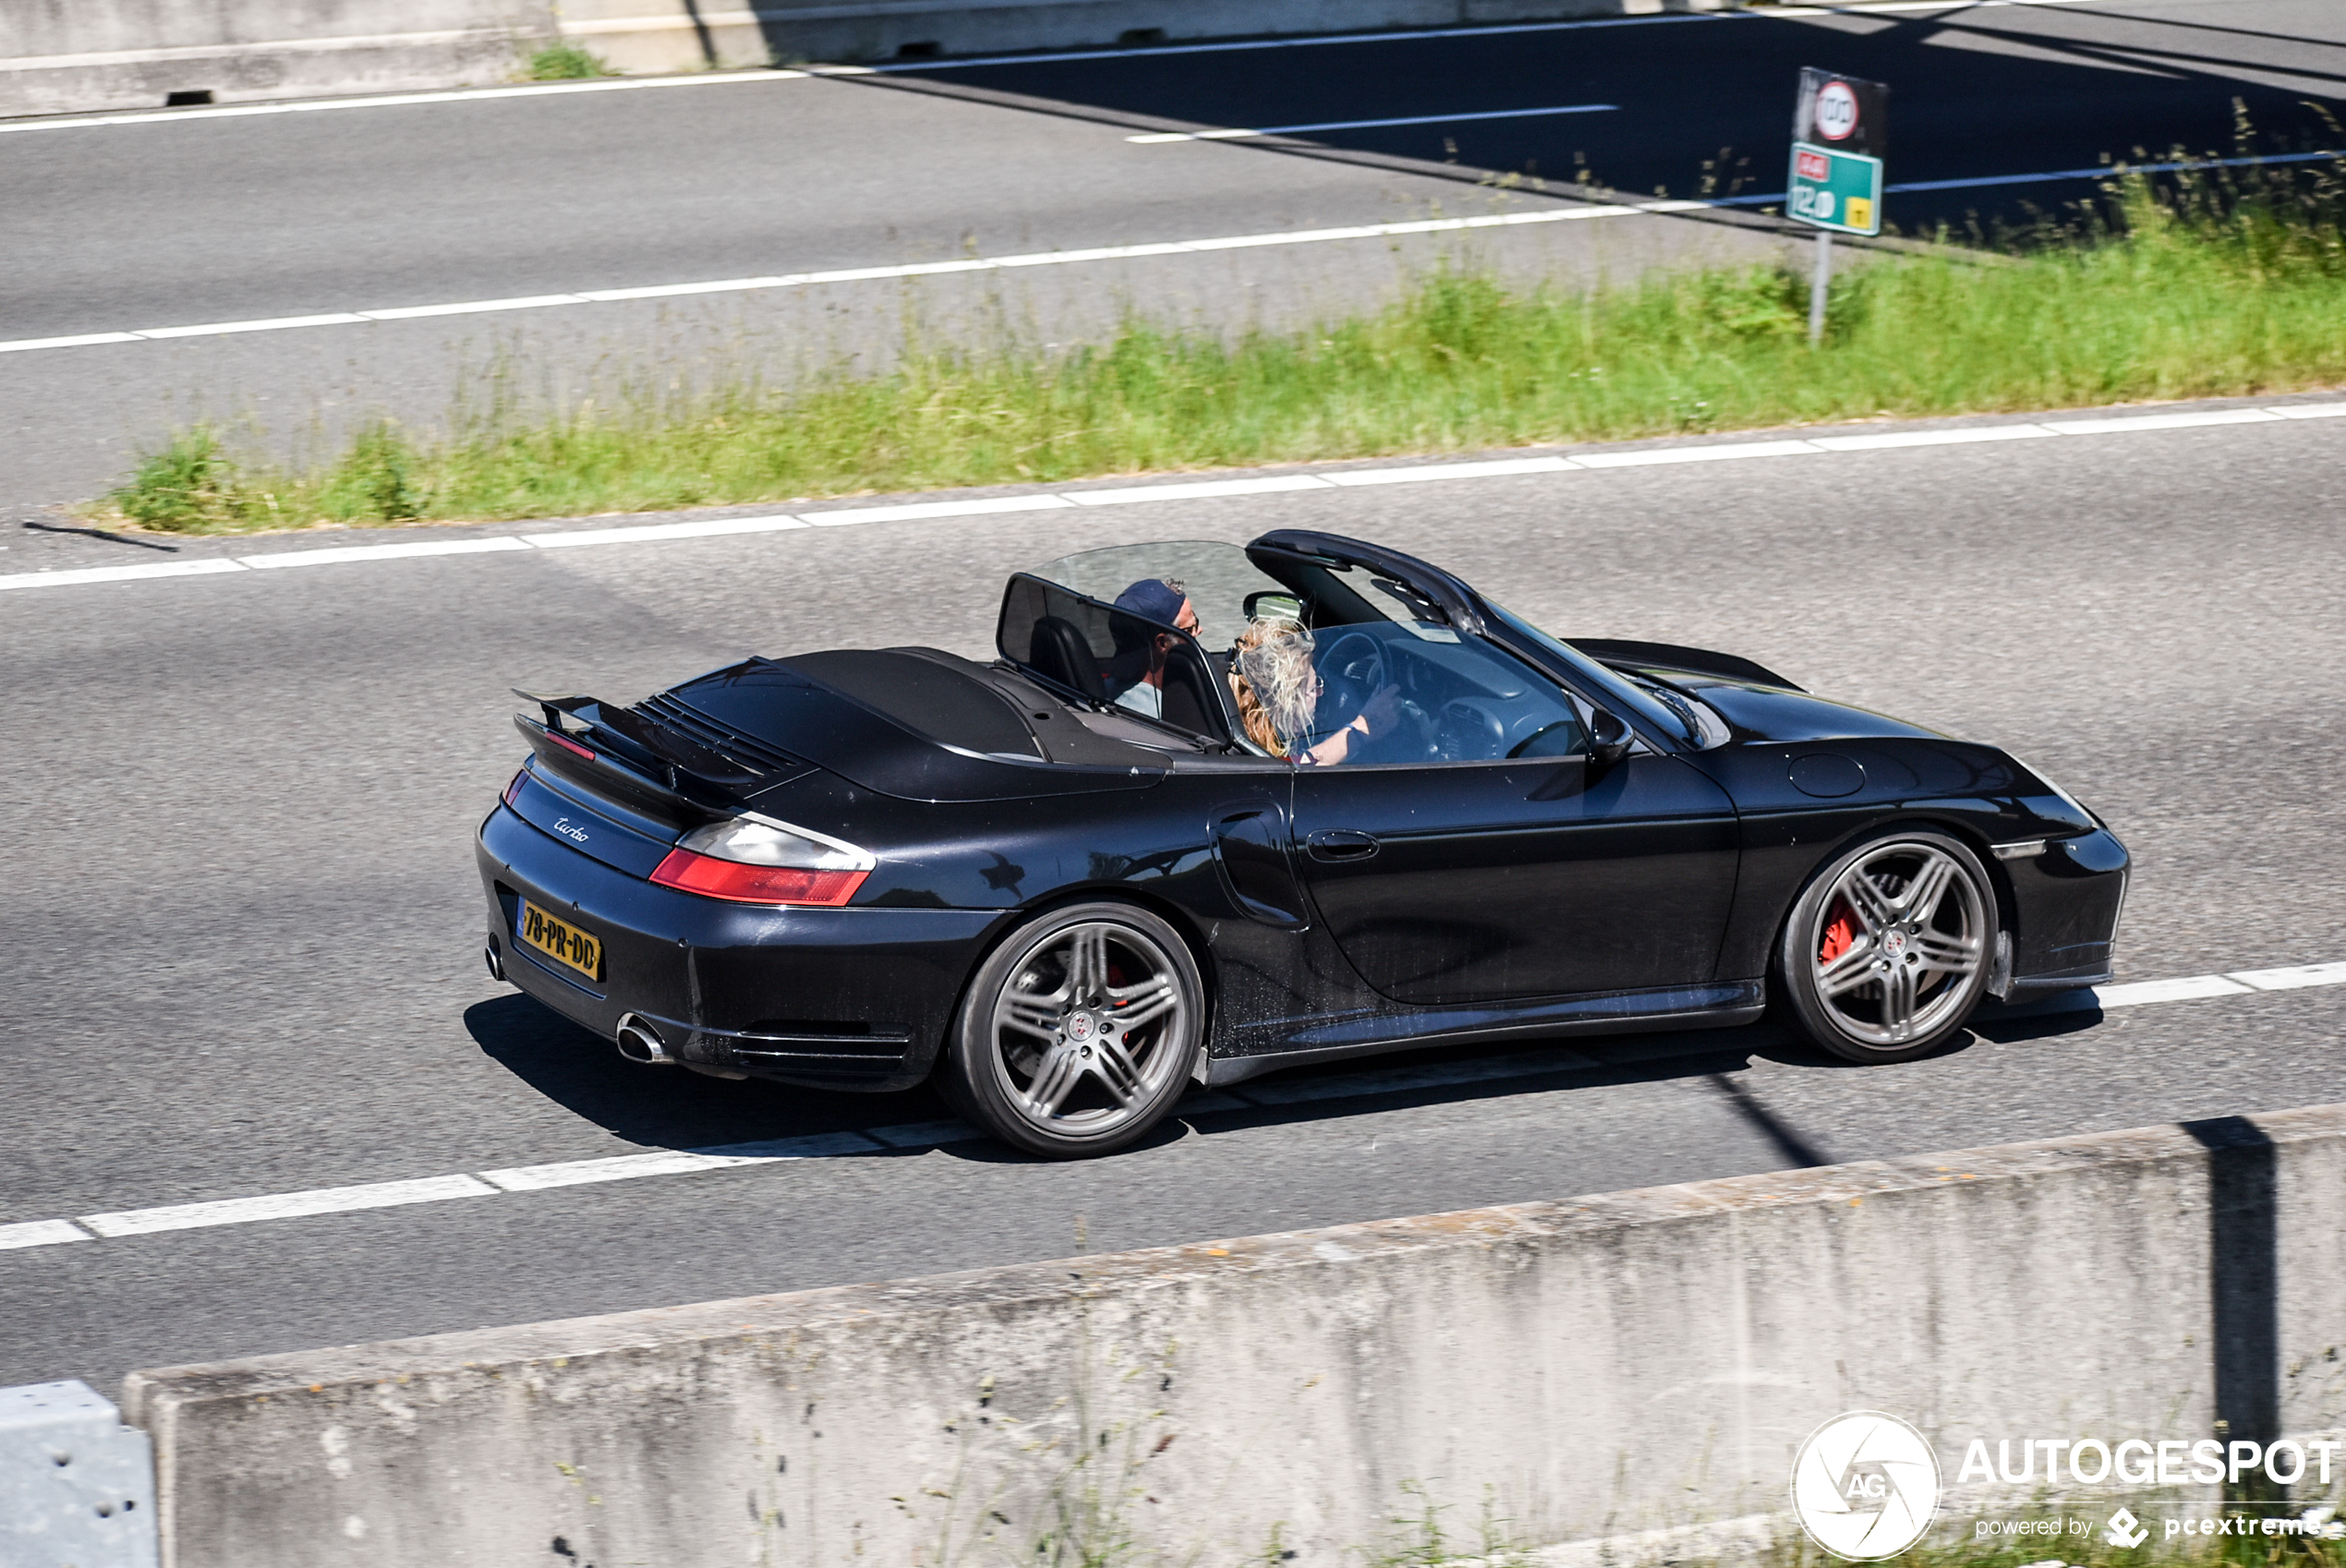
{"type": "Point", "coordinates": [1608, 740]}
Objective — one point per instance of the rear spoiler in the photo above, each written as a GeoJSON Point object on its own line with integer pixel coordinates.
{"type": "Point", "coordinates": [615, 753]}
{"type": "Point", "coordinates": [1685, 661]}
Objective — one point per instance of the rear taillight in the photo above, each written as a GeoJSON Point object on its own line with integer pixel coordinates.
{"type": "Point", "coordinates": [755, 859]}
{"type": "Point", "coordinates": [513, 791]}
{"type": "Point", "coordinates": [568, 745]}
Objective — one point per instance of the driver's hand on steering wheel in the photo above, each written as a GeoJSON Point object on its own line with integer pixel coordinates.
{"type": "Point", "coordinates": [1377, 715]}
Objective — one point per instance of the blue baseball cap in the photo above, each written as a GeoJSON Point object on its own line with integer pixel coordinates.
{"type": "Point", "coordinates": [1154, 598]}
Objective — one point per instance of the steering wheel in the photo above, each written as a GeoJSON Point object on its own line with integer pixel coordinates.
{"type": "Point", "coordinates": [1356, 658]}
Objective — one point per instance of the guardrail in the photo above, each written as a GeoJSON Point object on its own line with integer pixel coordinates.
{"type": "Point", "coordinates": [1640, 1361]}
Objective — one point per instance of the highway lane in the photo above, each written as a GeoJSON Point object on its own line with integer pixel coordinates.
{"type": "Point", "coordinates": [209, 218]}
{"type": "Point", "coordinates": [241, 948]}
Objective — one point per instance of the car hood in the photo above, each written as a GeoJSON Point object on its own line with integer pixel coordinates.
{"type": "Point", "coordinates": [1770, 713]}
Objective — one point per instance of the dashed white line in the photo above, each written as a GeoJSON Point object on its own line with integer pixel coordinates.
{"type": "Point", "coordinates": [117, 573]}
{"type": "Point", "coordinates": [286, 1205]}
{"type": "Point", "coordinates": [40, 1232]}
{"type": "Point", "coordinates": [913, 1136]}
{"type": "Point", "coordinates": [649, 533]}
{"type": "Point", "coordinates": [1489, 469]}
{"type": "Point", "coordinates": [674, 1162]}
{"type": "Point", "coordinates": [1729, 453]}
{"type": "Point", "coordinates": [345, 553]}
{"type": "Point", "coordinates": [1201, 489]}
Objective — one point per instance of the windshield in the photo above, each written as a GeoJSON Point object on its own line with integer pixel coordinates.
{"type": "Point", "coordinates": [1669, 712]}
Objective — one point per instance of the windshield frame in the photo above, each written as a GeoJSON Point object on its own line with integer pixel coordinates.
{"type": "Point", "coordinates": [1648, 715]}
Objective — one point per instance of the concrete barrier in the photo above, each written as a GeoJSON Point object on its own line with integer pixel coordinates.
{"type": "Point", "coordinates": [1639, 1361]}
{"type": "Point", "coordinates": [62, 56]}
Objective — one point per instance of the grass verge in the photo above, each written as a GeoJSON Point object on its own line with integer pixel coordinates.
{"type": "Point", "coordinates": [2209, 289]}
{"type": "Point", "coordinates": [566, 62]}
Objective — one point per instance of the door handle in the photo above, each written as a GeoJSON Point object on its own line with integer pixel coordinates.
{"type": "Point", "coordinates": [1341, 844]}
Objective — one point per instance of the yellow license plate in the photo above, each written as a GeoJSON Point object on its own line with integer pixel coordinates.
{"type": "Point", "coordinates": [560, 941]}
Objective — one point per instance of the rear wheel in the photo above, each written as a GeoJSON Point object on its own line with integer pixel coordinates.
{"type": "Point", "coordinates": [1885, 953]}
{"type": "Point", "coordinates": [1079, 1033]}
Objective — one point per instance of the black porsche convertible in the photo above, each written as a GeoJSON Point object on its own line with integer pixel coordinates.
{"type": "Point", "coordinates": [1219, 811]}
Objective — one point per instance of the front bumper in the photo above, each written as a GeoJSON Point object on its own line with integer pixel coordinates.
{"type": "Point", "coordinates": [831, 998]}
{"type": "Point", "coordinates": [2067, 902]}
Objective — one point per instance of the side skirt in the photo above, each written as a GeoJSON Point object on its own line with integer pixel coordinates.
{"type": "Point", "coordinates": [1722, 1005]}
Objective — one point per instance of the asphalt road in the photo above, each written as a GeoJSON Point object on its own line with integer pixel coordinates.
{"type": "Point", "coordinates": [240, 945]}
{"type": "Point", "coordinates": [207, 218]}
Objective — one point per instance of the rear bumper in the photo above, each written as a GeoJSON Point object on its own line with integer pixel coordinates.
{"type": "Point", "coordinates": [831, 998]}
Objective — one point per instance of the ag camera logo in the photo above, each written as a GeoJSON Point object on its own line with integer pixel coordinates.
{"type": "Point", "coordinates": [1865, 1486]}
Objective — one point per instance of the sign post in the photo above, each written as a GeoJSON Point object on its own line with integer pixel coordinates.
{"type": "Point", "coordinates": [1839, 136]}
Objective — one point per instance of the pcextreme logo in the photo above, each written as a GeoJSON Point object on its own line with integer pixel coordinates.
{"type": "Point", "coordinates": [1865, 1486]}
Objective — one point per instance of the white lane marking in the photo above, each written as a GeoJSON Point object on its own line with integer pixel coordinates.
{"type": "Point", "coordinates": [862, 274]}
{"type": "Point", "coordinates": [287, 1205]}
{"type": "Point", "coordinates": [277, 324]}
{"type": "Point", "coordinates": [1431, 471]}
{"type": "Point", "coordinates": [1931, 438]}
{"type": "Point", "coordinates": [2158, 422]}
{"type": "Point", "coordinates": [2189, 988]}
{"type": "Point", "coordinates": [117, 573]}
{"type": "Point", "coordinates": [652, 532]}
{"type": "Point", "coordinates": [1343, 478]}
{"type": "Point", "coordinates": [391, 100]}
{"type": "Point", "coordinates": [1234, 133]}
{"type": "Point", "coordinates": [1198, 491]}
{"type": "Point", "coordinates": [1725, 453]}
{"type": "Point", "coordinates": [2291, 979]}
{"type": "Point", "coordinates": [385, 552]}
{"type": "Point", "coordinates": [40, 1232]}
{"type": "Point", "coordinates": [83, 340]}
{"type": "Point", "coordinates": [919, 510]}
{"type": "Point", "coordinates": [681, 1162]}
{"type": "Point", "coordinates": [674, 1162]}
{"type": "Point", "coordinates": [466, 308]}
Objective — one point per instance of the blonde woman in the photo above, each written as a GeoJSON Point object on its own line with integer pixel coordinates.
{"type": "Point", "coordinates": [1278, 692]}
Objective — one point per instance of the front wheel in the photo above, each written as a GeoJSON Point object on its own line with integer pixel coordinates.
{"type": "Point", "coordinates": [1079, 1031]}
{"type": "Point", "coordinates": [1885, 953]}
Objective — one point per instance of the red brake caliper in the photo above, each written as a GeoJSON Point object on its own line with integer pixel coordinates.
{"type": "Point", "coordinates": [1840, 936]}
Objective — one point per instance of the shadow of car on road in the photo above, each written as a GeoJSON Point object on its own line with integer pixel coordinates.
{"type": "Point", "coordinates": [675, 1108]}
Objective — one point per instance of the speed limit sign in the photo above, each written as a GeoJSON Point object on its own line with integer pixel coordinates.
{"type": "Point", "coordinates": [1846, 114]}
{"type": "Point", "coordinates": [1836, 110]}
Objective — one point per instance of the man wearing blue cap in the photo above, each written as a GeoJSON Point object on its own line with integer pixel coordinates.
{"type": "Point", "coordinates": [1141, 661]}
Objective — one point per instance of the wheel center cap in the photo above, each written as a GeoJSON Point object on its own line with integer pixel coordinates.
{"type": "Point", "coordinates": [1894, 944]}
{"type": "Point", "coordinates": [1081, 1027]}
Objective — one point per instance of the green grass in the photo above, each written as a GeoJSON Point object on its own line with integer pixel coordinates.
{"type": "Point", "coordinates": [565, 62]}
{"type": "Point", "coordinates": [2214, 291]}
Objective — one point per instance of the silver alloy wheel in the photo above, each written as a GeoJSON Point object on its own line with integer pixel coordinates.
{"type": "Point", "coordinates": [1900, 944]}
{"type": "Point", "coordinates": [1089, 1029]}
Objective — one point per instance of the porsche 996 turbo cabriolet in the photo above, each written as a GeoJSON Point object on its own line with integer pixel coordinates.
{"type": "Point", "coordinates": [1214, 812]}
